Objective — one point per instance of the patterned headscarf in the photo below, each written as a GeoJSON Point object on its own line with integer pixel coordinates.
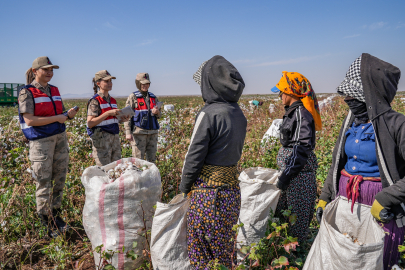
{"type": "Point", "coordinates": [352, 85]}
{"type": "Point", "coordinates": [294, 83]}
{"type": "Point", "coordinates": [197, 75]}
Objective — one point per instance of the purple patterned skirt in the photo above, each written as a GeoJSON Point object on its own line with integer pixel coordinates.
{"type": "Point", "coordinates": [394, 235]}
{"type": "Point", "coordinates": [210, 219]}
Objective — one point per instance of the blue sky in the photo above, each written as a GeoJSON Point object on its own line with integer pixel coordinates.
{"type": "Point", "coordinates": [170, 39]}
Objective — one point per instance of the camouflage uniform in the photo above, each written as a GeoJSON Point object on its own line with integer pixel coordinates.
{"type": "Point", "coordinates": [49, 158]}
{"type": "Point", "coordinates": [106, 146]}
{"type": "Point", "coordinates": [145, 141]}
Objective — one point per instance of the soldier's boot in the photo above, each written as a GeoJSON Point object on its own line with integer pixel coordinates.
{"type": "Point", "coordinates": [52, 230]}
{"type": "Point", "coordinates": [63, 227]}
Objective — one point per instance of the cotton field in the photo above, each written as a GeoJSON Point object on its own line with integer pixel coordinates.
{"type": "Point", "coordinates": [22, 239]}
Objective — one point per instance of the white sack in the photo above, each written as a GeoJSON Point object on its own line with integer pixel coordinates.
{"type": "Point", "coordinates": [165, 124]}
{"type": "Point", "coordinates": [258, 195]}
{"type": "Point", "coordinates": [169, 235]}
{"type": "Point", "coordinates": [169, 107]}
{"type": "Point", "coordinates": [273, 131]}
{"type": "Point", "coordinates": [272, 108]}
{"type": "Point", "coordinates": [112, 215]}
{"type": "Point", "coordinates": [332, 250]}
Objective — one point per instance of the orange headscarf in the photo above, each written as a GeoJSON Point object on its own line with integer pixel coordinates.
{"type": "Point", "coordinates": [294, 83]}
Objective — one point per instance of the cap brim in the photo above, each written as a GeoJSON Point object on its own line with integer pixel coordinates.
{"type": "Point", "coordinates": [275, 89]}
{"type": "Point", "coordinates": [108, 77]}
{"type": "Point", "coordinates": [144, 81]}
{"type": "Point", "coordinates": [48, 66]}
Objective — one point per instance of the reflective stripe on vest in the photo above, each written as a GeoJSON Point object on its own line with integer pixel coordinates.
{"type": "Point", "coordinates": [110, 124]}
{"type": "Point", "coordinates": [45, 106]}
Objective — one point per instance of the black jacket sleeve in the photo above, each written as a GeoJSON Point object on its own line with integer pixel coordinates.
{"type": "Point", "coordinates": [302, 145]}
{"type": "Point", "coordinates": [197, 151]}
{"type": "Point", "coordinates": [395, 194]}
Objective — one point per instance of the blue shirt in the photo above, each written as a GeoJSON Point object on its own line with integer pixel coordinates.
{"type": "Point", "coordinates": [361, 152]}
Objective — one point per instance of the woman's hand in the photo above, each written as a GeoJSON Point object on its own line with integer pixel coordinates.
{"type": "Point", "coordinates": [129, 137]}
{"type": "Point", "coordinates": [124, 118]}
{"type": "Point", "coordinates": [113, 112]}
{"type": "Point", "coordinates": [61, 118]}
{"type": "Point", "coordinates": [72, 112]}
{"type": "Point", "coordinates": [155, 111]}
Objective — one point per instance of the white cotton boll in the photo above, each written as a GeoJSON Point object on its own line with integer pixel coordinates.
{"type": "Point", "coordinates": [11, 140]}
{"type": "Point", "coordinates": [117, 174]}
{"type": "Point", "coordinates": [111, 173]}
{"type": "Point", "coordinates": [168, 156]}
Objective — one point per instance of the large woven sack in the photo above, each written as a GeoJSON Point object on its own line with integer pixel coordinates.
{"type": "Point", "coordinates": [337, 244]}
{"type": "Point", "coordinates": [112, 214]}
{"type": "Point", "coordinates": [258, 195]}
{"type": "Point", "coordinates": [169, 235]}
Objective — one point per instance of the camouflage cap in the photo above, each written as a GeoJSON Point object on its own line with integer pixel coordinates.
{"type": "Point", "coordinates": [43, 62]}
{"type": "Point", "coordinates": [103, 75]}
{"type": "Point", "coordinates": [142, 78]}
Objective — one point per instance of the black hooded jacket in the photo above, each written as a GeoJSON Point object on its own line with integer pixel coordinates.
{"type": "Point", "coordinates": [380, 80]}
{"type": "Point", "coordinates": [220, 127]}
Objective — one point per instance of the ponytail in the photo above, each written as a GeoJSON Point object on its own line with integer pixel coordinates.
{"type": "Point", "coordinates": [95, 86]}
{"type": "Point", "coordinates": [29, 76]}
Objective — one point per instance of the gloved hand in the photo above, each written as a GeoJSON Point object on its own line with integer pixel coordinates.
{"type": "Point", "coordinates": [319, 210]}
{"type": "Point", "coordinates": [281, 185]}
{"type": "Point", "coordinates": [380, 213]}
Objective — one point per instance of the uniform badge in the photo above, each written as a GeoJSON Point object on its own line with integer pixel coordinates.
{"type": "Point", "coordinates": [141, 103]}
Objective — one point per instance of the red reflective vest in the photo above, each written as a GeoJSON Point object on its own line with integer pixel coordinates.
{"type": "Point", "coordinates": [44, 106]}
{"type": "Point", "coordinates": [110, 124]}
{"type": "Point", "coordinates": [143, 117]}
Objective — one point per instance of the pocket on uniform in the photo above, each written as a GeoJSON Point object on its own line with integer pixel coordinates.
{"type": "Point", "coordinates": [97, 138]}
{"type": "Point", "coordinates": [41, 171]}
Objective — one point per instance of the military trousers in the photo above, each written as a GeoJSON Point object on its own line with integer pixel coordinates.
{"type": "Point", "coordinates": [106, 147]}
{"type": "Point", "coordinates": [49, 159]}
{"type": "Point", "coordinates": [144, 146]}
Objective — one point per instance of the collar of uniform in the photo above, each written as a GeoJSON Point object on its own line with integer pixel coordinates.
{"type": "Point", "coordinates": [102, 95]}
{"type": "Point", "coordinates": [39, 86]}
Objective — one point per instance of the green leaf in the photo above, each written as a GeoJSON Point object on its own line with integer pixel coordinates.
{"type": "Point", "coordinates": [293, 219]}
{"type": "Point", "coordinates": [245, 249]}
{"type": "Point", "coordinates": [401, 248]}
{"type": "Point", "coordinates": [134, 244]}
{"type": "Point", "coordinates": [131, 254]}
{"type": "Point", "coordinates": [299, 262]}
{"type": "Point", "coordinates": [109, 267]}
{"type": "Point", "coordinates": [278, 263]}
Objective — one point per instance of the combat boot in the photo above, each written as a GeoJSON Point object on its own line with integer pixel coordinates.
{"type": "Point", "coordinates": [52, 230]}
{"type": "Point", "coordinates": [62, 226]}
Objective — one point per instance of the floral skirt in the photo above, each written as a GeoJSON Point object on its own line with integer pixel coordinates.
{"type": "Point", "coordinates": [213, 212]}
{"type": "Point", "coordinates": [300, 195]}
